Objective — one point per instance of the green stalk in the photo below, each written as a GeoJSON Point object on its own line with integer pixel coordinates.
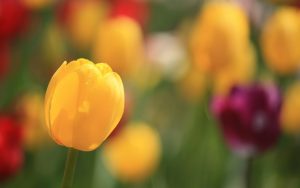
{"type": "Point", "coordinates": [70, 168]}
{"type": "Point", "coordinates": [249, 172]}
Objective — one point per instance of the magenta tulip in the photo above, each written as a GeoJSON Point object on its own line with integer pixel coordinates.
{"type": "Point", "coordinates": [249, 118]}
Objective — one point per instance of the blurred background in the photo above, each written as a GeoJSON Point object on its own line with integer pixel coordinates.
{"type": "Point", "coordinates": [179, 60]}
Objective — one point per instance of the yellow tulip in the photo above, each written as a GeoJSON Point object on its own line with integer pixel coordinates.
{"type": "Point", "coordinates": [220, 37]}
{"type": "Point", "coordinates": [221, 48]}
{"type": "Point", "coordinates": [85, 17]}
{"type": "Point", "coordinates": [134, 153]}
{"type": "Point", "coordinates": [120, 43]}
{"type": "Point", "coordinates": [84, 102]}
{"type": "Point", "coordinates": [281, 41]}
{"type": "Point", "coordinates": [290, 118]}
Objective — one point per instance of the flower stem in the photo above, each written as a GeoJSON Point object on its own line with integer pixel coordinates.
{"type": "Point", "coordinates": [70, 168]}
{"type": "Point", "coordinates": [248, 172]}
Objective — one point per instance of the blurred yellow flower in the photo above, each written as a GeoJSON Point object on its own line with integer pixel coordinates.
{"type": "Point", "coordinates": [85, 17]}
{"type": "Point", "coordinates": [120, 42]}
{"type": "Point", "coordinates": [134, 153]}
{"type": "Point", "coordinates": [30, 108]}
{"type": "Point", "coordinates": [290, 118]}
{"type": "Point", "coordinates": [220, 46]}
{"type": "Point", "coordinates": [281, 40]}
{"type": "Point", "coordinates": [37, 4]}
{"type": "Point", "coordinates": [84, 102]}
{"type": "Point", "coordinates": [220, 37]}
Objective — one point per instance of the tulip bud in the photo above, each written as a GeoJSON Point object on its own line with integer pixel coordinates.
{"type": "Point", "coordinates": [120, 43]}
{"type": "Point", "coordinates": [134, 153]}
{"type": "Point", "coordinates": [281, 41]}
{"type": "Point", "coordinates": [290, 118]}
{"type": "Point", "coordinates": [84, 102]}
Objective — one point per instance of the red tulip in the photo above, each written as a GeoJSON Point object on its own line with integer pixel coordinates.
{"type": "Point", "coordinates": [135, 9]}
{"type": "Point", "coordinates": [11, 153]}
{"type": "Point", "coordinates": [13, 18]}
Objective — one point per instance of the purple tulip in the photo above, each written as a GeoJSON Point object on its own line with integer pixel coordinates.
{"type": "Point", "coordinates": [249, 117]}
